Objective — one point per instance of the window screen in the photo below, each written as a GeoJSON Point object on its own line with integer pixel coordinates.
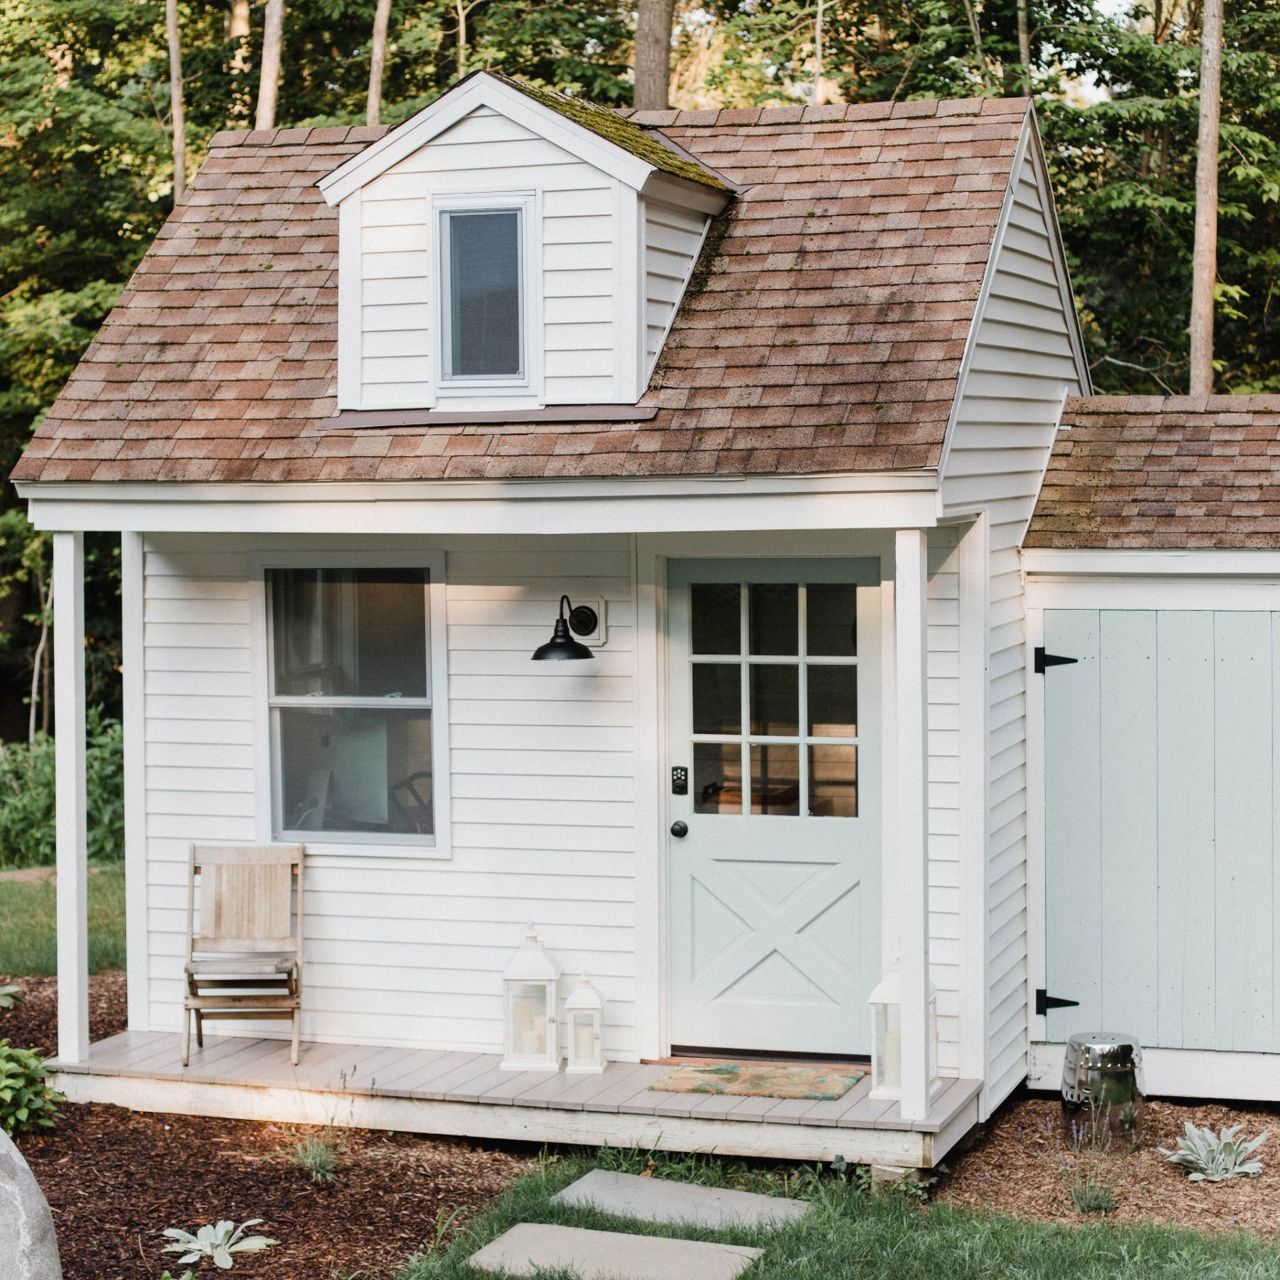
{"type": "Point", "coordinates": [483, 302]}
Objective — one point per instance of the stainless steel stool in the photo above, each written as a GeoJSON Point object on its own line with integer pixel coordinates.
{"type": "Point", "coordinates": [1102, 1094]}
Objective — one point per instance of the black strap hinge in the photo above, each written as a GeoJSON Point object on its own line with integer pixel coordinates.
{"type": "Point", "coordinates": [1044, 1001]}
{"type": "Point", "coordinates": [1044, 660]}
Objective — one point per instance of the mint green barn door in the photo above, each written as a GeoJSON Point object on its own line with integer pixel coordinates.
{"type": "Point", "coordinates": [1162, 883]}
{"type": "Point", "coordinates": [774, 850]}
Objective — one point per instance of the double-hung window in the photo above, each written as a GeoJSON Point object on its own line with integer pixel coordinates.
{"type": "Point", "coordinates": [482, 295]}
{"type": "Point", "coordinates": [350, 703]}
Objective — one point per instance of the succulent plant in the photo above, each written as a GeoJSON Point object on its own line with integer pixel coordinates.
{"type": "Point", "coordinates": [1216, 1157]}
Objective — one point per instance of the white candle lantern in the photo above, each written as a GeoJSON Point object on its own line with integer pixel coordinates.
{"type": "Point", "coordinates": [529, 1008]}
{"type": "Point", "coordinates": [886, 1037]}
{"type": "Point", "coordinates": [584, 1010]}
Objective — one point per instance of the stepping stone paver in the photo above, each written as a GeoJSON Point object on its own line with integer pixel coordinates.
{"type": "Point", "coordinates": [610, 1255]}
{"type": "Point", "coordinates": [662, 1200]}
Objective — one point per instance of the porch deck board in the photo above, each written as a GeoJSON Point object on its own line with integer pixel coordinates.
{"type": "Point", "coordinates": [442, 1076]}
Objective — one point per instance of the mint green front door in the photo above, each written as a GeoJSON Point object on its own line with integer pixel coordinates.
{"type": "Point", "coordinates": [774, 850]}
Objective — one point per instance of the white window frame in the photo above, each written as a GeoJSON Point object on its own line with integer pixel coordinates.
{"type": "Point", "coordinates": [359, 843]}
{"type": "Point", "coordinates": [523, 206]}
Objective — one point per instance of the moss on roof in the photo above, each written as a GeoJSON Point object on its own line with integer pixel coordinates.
{"type": "Point", "coordinates": [609, 125]}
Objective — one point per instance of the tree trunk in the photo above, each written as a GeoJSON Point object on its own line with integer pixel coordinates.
{"type": "Point", "coordinates": [269, 76]}
{"type": "Point", "coordinates": [653, 54]}
{"type": "Point", "coordinates": [377, 61]}
{"type": "Point", "coordinates": [1204, 263]}
{"type": "Point", "coordinates": [1024, 40]}
{"type": "Point", "coordinates": [461, 10]}
{"type": "Point", "coordinates": [817, 57]}
{"type": "Point", "coordinates": [177, 107]}
{"type": "Point", "coordinates": [238, 34]}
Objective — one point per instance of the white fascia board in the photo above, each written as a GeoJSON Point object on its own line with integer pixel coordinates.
{"type": "Point", "coordinates": [984, 292]}
{"type": "Point", "coordinates": [682, 193]}
{"type": "Point", "coordinates": [481, 91]}
{"type": "Point", "coordinates": [1063, 270]}
{"type": "Point", "coordinates": [521, 507]}
{"type": "Point", "coordinates": [1206, 562]}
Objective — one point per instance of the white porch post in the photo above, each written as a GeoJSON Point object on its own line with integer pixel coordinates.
{"type": "Point", "coordinates": [910, 869]}
{"type": "Point", "coordinates": [69, 726]}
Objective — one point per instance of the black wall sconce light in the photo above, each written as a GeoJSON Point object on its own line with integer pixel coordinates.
{"type": "Point", "coordinates": [582, 620]}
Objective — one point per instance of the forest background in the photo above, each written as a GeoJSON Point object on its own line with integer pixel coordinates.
{"type": "Point", "coordinates": [86, 169]}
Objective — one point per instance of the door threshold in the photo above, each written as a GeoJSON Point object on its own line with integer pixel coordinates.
{"type": "Point", "coordinates": [682, 1053]}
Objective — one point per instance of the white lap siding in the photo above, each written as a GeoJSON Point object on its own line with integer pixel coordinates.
{"type": "Point", "coordinates": [410, 950]}
{"type": "Point", "coordinates": [1021, 364]}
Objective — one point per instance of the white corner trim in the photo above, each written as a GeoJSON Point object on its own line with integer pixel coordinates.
{"type": "Point", "coordinates": [1189, 562]}
{"type": "Point", "coordinates": [133, 717]}
{"type": "Point", "coordinates": [481, 90]}
{"type": "Point", "coordinates": [350, 308]}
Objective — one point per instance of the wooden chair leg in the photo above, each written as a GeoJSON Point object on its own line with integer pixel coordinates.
{"type": "Point", "coordinates": [199, 1029]}
{"type": "Point", "coordinates": [293, 1053]}
{"type": "Point", "coordinates": [186, 1037]}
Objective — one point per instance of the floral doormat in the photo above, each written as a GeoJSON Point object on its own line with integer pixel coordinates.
{"type": "Point", "coordinates": [763, 1080]}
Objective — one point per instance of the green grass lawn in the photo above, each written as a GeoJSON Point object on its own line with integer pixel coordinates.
{"type": "Point", "coordinates": [27, 924]}
{"type": "Point", "coordinates": [854, 1235]}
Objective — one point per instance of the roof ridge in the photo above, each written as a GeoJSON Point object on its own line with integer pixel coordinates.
{"type": "Point", "coordinates": [294, 135]}
{"type": "Point", "coordinates": [1266, 401]}
{"type": "Point", "coordinates": [922, 108]}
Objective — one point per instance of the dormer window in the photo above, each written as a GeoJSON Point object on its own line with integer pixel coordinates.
{"type": "Point", "coordinates": [482, 303]}
{"type": "Point", "coordinates": [510, 250]}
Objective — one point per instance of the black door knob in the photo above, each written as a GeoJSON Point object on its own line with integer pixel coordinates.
{"type": "Point", "coordinates": [679, 830]}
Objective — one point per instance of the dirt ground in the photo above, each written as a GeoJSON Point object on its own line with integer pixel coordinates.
{"type": "Point", "coordinates": [1024, 1168]}
{"type": "Point", "coordinates": [115, 1178]}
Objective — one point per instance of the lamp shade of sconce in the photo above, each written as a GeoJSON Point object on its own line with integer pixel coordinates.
{"type": "Point", "coordinates": [529, 1008]}
{"type": "Point", "coordinates": [562, 647]}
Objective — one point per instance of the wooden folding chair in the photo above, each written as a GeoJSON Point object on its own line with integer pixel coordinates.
{"type": "Point", "coordinates": [246, 960]}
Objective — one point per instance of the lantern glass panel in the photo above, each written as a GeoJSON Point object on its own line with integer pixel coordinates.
{"type": "Point", "coordinates": [888, 1046]}
{"type": "Point", "coordinates": [529, 1024]}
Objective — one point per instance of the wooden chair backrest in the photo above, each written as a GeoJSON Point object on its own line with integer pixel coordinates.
{"type": "Point", "coordinates": [246, 898]}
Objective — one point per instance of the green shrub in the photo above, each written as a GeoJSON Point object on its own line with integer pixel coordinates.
{"type": "Point", "coordinates": [27, 796]}
{"type": "Point", "coordinates": [316, 1157]}
{"type": "Point", "coordinates": [26, 1102]}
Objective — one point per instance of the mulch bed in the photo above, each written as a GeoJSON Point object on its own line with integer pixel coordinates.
{"type": "Point", "coordinates": [116, 1178]}
{"type": "Point", "coordinates": [1023, 1167]}
{"type": "Point", "coordinates": [32, 1023]}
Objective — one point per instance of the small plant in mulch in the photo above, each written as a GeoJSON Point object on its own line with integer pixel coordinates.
{"type": "Point", "coordinates": [26, 1101]}
{"type": "Point", "coordinates": [9, 996]}
{"type": "Point", "coordinates": [219, 1242]}
{"type": "Point", "coordinates": [317, 1157]}
{"type": "Point", "coordinates": [1216, 1157]}
{"type": "Point", "coordinates": [1093, 1196]}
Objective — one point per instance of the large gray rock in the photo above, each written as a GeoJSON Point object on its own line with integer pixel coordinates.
{"type": "Point", "coordinates": [27, 1241]}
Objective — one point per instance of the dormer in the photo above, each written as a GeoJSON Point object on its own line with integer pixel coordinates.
{"type": "Point", "coordinates": [509, 248]}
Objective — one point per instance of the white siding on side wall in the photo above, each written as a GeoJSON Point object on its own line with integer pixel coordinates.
{"type": "Point", "coordinates": [407, 950]}
{"type": "Point", "coordinates": [672, 240]}
{"type": "Point", "coordinates": [578, 219]}
{"type": "Point", "coordinates": [1021, 364]}
{"type": "Point", "coordinates": [943, 603]}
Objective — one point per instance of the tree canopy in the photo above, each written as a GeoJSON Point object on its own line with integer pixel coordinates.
{"type": "Point", "coordinates": [86, 172]}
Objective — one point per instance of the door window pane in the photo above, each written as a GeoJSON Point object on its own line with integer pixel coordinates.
{"type": "Point", "coordinates": [717, 697]}
{"type": "Point", "coordinates": [484, 294]}
{"type": "Point", "coordinates": [717, 622]}
{"type": "Point", "coordinates": [833, 702]}
{"type": "Point", "coordinates": [831, 619]}
{"type": "Point", "coordinates": [833, 782]}
{"type": "Point", "coordinates": [717, 777]}
{"type": "Point", "coordinates": [775, 779]}
{"type": "Point", "coordinates": [775, 700]}
{"type": "Point", "coordinates": [355, 769]}
{"type": "Point", "coordinates": [349, 632]}
{"type": "Point", "coordinates": [774, 618]}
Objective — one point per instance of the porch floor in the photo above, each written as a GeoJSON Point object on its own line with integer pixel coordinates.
{"type": "Point", "coordinates": [466, 1094]}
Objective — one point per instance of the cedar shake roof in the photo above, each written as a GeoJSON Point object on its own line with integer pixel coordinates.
{"type": "Point", "coordinates": [1152, 472]}
{"type": "Point", "coordinates": [827, 336]}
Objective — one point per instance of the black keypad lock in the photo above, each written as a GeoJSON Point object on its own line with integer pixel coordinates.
{"type": "Point", "coordinates": [679, 781]}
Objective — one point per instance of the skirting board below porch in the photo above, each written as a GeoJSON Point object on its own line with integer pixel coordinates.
{"type": "Point", "coordinates": [1180, 1073]}
{"type": "Point", "coordinates": [618, 1108]}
